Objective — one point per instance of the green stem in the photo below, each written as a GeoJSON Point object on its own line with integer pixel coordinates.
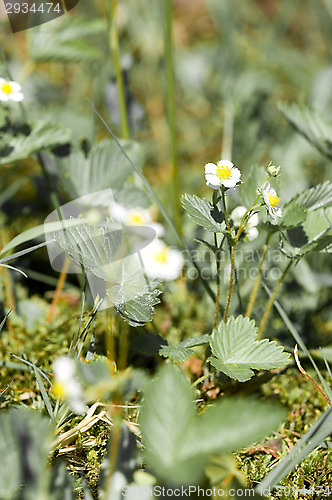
{"type": "Point", "coordinates": [231, 282]}
{"type": "Point", "coordinates": [216, 314]}
{"type": "Point", "coordinates": [258, 279]}
{"type": "Point", "coordinates": [225, 209]}
{"type": "Point", "coordinates": [271, 301]}
{"type": "Point", "coordinates": [171, 113]}
{"type": "Point", "coordinates": [114, 48]}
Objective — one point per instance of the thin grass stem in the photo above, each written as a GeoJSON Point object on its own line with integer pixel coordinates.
{"type": "Point", "coordinates": [115, 51]}
{"type": "Point", "coordinates": [258, 279]}
{"type": "Point", "coordinates": [171, 113]}
{"type": "Point", "coordinates": [271, 301]}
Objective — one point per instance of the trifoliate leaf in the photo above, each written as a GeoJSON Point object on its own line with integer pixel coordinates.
{"type": "Point", "coordinates": [312, 125]}
{"type": "Point", "coordinates": [237, 351]}
{"type": "Point", "coordinates": [200, 211]}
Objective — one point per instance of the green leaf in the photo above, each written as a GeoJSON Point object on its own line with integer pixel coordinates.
{"type": "Point", "coordinates": [69, 39]}
{"type": "Point", "coordinates": [315, 197]}
{"type": "Point", "coordinates": [237, 351]}
{"type": "Point", "coordinates": [176, 353]}
{"type": "Point", "coordinates": [317, 223]}
{"type": "Point", "coordinates": [309, 123]}
{"type": "Point", "coordinates": [91, 246]}
{"type": "Point", "coordinates": [25, 440]}
{"type": "Point", "coordinates": [42, 135]}
{"type": "Point", "coordinates": [132, 196]}
{"type": "Point", "coordinates": [295, 244]}
{"type": "Point", "coordinates": [164, 430]}
{"type": "Point", "coordinates": [256, 177]}
{"type": "Point", "coordinates": [199, 210]}
{"type": "Point", "coordinates": [36, 232]}
{"type": "Point", "coordinates": [140, 309]}
{"type": "Point", "coordinates": [181, 352]}
{"type": "Point", "coordinates": [106, 167]}
{"type": "Point", "coordinates": [134, 298]}
{"type": "Point", "coordinates": [293, 215]}
{"type": "Point", "coordinates": [178, 442]}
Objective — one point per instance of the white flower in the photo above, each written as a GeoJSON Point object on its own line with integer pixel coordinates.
{"type": "Point", "coordinates": [271, 201]}
{"type": "Point", "coordinates": [67, 385]}
{"type": "Point", "coordinates": [161, 261]}
{"type": "Point", "coordinates": [222, 174]}
{"type": "Point", "coordinates": [136, 216]}
{"type": "Point", "coordinates": [251, 231]}
{"type": "Point", "coordinates": [10, 91]}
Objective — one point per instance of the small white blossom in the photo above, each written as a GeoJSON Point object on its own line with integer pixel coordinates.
{"type": "Point", "coordinates": [271, 201]}
{"type": "Point", "coordinates": [161, 261]}
{"type": "Point", "coordinates": [222, 174]}
{"type": "Point", "coordinates": [250, 231]}
{"type": "Point", "coordinates": [134, 216]}
{"type": "Point", "coordinates": [67, 385]}
{"type": "Point", "coordinates": [10, 91]}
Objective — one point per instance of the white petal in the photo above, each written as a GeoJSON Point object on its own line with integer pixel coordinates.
{"type": "Point", "coordinates": [16, 87]}
{"type": "Point", "coordinates": [213, 186]}
{"type": "Point", "coordinates": [159, 228]}
{"type": "Point", "coordinates": [2, 81]}
{"type": "Point", "coordinates": [210, 168]}
{"type": "Point", "coordinates": [252, 233]}
{"type": "Point", "coordinates": [17, 97]}
{"type": "Point", "coordinates": [213, 179]}
{"type": "Point", "coordinates": [3, 97]}
{"type": "Point", "coordinates": [229, 183]}
{"type": "Point", "coordinates": [226, 163]}
{"type": "Point", "coordinates": [236, 174]}
{"type": "Point", "coordinates": [253, 221]}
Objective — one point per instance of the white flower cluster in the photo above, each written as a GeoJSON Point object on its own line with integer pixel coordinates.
{"type": "Point", "coordinates": [250, 231]}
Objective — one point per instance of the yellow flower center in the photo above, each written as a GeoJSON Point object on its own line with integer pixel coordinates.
{"type": "Point", "coordinates": [136, 218]}
{"type": "Point", "coordinates": [273, 200]}
{"type": "Point", "coordinates": [6, 88]}
{"type": "Point", "coordinates": [223, 172]}
{"type": "Point", "coordinates": [59, 390]}
{"type": "Point", "coordinates": [161, 256]}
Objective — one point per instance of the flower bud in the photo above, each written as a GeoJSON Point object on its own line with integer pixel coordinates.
{"type": "Point", "coordinates": [272, 170]}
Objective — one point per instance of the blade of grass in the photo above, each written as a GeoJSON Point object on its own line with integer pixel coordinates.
{"type": "Point", "coordinates": [44, 394]}
{"type": "Point", "coordinates": [171, 112]}
{"type": "Point", "coordinates": [300, 342]}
